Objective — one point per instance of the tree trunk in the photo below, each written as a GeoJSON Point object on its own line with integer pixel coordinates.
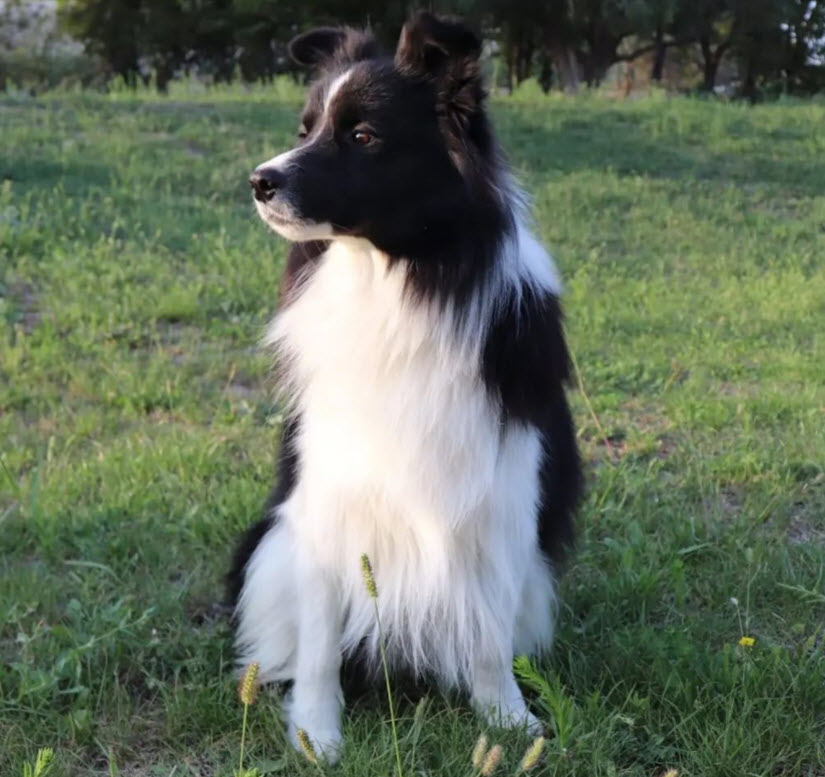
{"type": "Point", "coordinates": [163, 73]}
{"type": "Point", "coordinates": [710, 65]}
{"type": "Point", "coordinates": [602, 53]}
{"type": "Point", "coordinates": [660, 53]}
{"type": "Point", "coordinates": [525, 62]}
{"type": "Point", "coordinates": [512, 55]}
{"type": "Point", "coordinates": [749, 91]}
{"type": "Point", "coordinates": [546, 72]}
{"type": "Point", "coordinates": [599, 65]}
{"type": "Point", "coordinates": [567, 68]}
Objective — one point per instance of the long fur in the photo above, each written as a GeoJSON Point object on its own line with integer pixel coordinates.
{"type": "Point", "coordinates": [422, 363]}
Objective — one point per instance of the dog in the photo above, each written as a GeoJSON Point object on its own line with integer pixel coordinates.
{"type": "Point", "coordinates": [423, 365]}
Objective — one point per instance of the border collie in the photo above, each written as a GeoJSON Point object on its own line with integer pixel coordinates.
{"type": "Point", "coordinates": [423, 362]}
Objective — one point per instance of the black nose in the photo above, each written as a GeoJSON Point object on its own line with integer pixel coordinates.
{"type": "Point", "coordinates": [265, 182]}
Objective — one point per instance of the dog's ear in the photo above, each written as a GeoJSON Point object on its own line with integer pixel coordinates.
{"type": "Point", "coordinates": [324, 45]}
{"type": "Point", "coordinates": [447, 53]}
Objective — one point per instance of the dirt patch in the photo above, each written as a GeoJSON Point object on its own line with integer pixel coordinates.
{"type": "Point", "coordinates": [667, 446]}
{"type": "Point", "coordinates": [240, 391]}
{"type": "Point", "coordinates": [193, 149]}
{"type": "Point", "coordinates": [730, 501]}
{"type": "Point", "coordinates": [802, 531]}
{"type": "Point", "coordinates": [25, 308]}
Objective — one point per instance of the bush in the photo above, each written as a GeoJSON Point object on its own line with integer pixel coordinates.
{"type": "Point", "coordinates": [23, 70]}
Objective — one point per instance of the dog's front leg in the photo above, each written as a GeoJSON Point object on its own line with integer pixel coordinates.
{"type": "Point", "coordinates": [316, 695]}
{"type": "Point", "coordinates": [497, 697]}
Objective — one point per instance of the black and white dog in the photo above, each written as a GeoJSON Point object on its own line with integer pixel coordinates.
{"type": "Point", "coordinates": [421, 352]}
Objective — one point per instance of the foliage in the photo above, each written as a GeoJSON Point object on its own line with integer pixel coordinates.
{"type": "Point", "coordinates": [775, 43]}
{"type": "Point", "coordinates": [42, 763]}
{"type": "Point", "coordinates": [34, 54]}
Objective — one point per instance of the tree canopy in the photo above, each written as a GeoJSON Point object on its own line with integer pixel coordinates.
{"type": "Point", "coordinates": [561, 42]}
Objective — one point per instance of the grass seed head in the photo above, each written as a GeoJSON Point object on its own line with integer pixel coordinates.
{"type": "Point", "coordinates": [492, 761]}
{"type": "Point", "coordinates": [306, 745]}
{"type": "Point", "coordinates": [479, 751]}
{"type": "Point", "coordinates": [533, 754]}
{"type": "Point", "coordinates": [369, 580]}
{"type": "Point", "coordinates": [249, 685]}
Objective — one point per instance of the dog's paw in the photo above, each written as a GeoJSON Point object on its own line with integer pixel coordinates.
{"type": "Point", "coordinates": [497, 698]}
{"type": "Point", "coordinates": [515, 716]}
{"type": "Point", "coordinates": [320, 724]}
{"type": "Point", "coordinates": [522, 719]}
{"type": "Point", "coordinates": [325, 744]}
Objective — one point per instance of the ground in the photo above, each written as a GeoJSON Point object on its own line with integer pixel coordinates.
{"type": "Point", "coordinates": [138, 433]}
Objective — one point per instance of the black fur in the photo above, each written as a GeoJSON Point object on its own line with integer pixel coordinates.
{"type": "Point", "coordinates": [561, 480]}
{"type": "Point", "coordinates": [525, 360]}
{"type": "Point", "coordinates": [326, 45]}
{"type": "Point", "coordinates": [525, 366]}
{"type": "Point", "coordinates": [299, 265]}
{"type": "Point", "coordinates": [424, 190]}
{"type": "Point", "coordinates": [430, 191]}
{"type": "Point", "coordinates": [287, 475]}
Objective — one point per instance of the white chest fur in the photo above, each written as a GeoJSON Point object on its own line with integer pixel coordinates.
{"type": "Point", "coordinates": [391, 403]}
{"type": "Point", "coordinates": [403, 457]}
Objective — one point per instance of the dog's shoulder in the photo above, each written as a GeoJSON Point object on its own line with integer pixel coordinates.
{"type": "Point", "coordinates": [525, 360]}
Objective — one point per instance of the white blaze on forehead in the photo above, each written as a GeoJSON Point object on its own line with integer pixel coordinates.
{"type": "Point", "coordinates": [283, 161]}
{"type": "Point", "coordinates": [335, 87]}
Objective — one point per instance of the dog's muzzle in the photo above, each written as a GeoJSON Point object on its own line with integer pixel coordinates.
{"type": "Point", "coordinates": [265, 182]}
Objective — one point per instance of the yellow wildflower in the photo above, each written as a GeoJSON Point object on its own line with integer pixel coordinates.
{"type": "Point", "coordinates": [747, 642]}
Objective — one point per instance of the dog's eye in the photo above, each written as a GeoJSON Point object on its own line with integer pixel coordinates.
{"type": "Point", "coordinates": [362, 137]}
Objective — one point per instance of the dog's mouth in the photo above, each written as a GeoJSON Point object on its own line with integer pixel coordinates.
{"type": "Point", "coordinates": [282, 219]}
{"type": "Point", "coordinates": [278, 213]}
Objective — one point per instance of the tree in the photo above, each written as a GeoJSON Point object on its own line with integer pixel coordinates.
{"type": "Point", "coordinates": [110, 29]}
{"type": "Point", "coordinates": [803, 42]}
{"type": "Point", "coordinates": [563, 41]}
{"type": "Point", "coordinates": [713, 25]}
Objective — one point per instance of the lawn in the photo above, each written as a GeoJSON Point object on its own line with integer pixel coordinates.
{"type": "Point", "coordinates": [138, 435]}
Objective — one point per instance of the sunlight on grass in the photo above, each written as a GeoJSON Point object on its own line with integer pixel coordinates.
{"type": "Point", "coordinates": [138, 432]}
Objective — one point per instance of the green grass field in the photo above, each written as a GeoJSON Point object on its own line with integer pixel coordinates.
{"type": "Point", "coordinates": [138, 433]}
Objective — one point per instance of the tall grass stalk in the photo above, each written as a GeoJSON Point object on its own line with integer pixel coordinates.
{"type": "Point", "coordinates": [248, 692]}
{"type": "Point", "coordinates": [372, 590]}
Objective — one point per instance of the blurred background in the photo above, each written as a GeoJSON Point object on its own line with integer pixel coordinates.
{"type": "Point", "coordinates": [747, 48]}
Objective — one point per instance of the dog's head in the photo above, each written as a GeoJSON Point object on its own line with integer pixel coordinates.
{"type": "Point", "coordinates": [391, 150]}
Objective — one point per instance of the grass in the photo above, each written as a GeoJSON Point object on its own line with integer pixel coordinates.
{"type": "Point", "coordinates": [137, 438]}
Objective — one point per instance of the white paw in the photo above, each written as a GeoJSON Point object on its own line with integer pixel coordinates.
{"type": "Point", "coordinates": [525, 720]}
{"type": "Point", "coordinates": [325, 743]}
{"type": "Point", "coordinates": [498, 699]}
{"type": "Point", "coordinates": [320, 719]}
{"type": "Point", "coordinates": [514, 715]}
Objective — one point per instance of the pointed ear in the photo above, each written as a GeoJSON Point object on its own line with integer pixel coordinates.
{"type": "Point", "coordinates": [324, 45]}
{"type": "Point", "coordinates": [428, 45]}
{"type": "Point", "coordinates": [447, 53]}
